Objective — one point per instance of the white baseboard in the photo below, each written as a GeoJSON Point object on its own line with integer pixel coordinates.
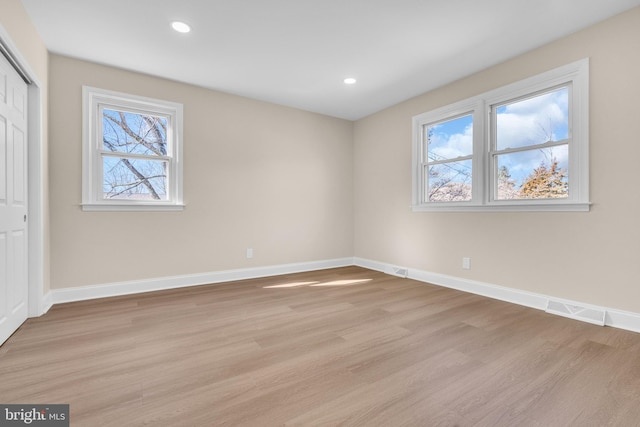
{"type": "Point", "coordinates": [622, 319]}
{"type": "Point", "coordinates": [173, 282]}
{"type": "Point", "coordinates": [46, 303]}
{"type": "Point", "coordinates": [613, 317]}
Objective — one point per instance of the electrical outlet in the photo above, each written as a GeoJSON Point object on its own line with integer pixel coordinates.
{"type": "Point", "coordinates": [466, 263]}
{"type": "Point", "coordinates": [249, 253]}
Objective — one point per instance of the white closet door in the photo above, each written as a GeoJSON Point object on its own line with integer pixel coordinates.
{"type": "Point", "coordinates": [13, 200]}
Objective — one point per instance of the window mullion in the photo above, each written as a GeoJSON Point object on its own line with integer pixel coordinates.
{"type": "Point", "coordinates": [455, 159]}
{"type": "Point", "coordinates": [510, 166]}
{"type": "Point", "coordinates": [550, 144]}
{"type": "Point", "coordinates": [478, 162]}
{"type": "Point", "coordinates": [122, 154]}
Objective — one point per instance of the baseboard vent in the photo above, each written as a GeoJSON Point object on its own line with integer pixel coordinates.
{"type": "Point", "coordinates": [397, 271]}
{"type": "Point", "coordinates": [577, 312]}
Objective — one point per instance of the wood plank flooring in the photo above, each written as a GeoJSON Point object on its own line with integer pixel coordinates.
{"type": "Point", "coordinates": [345, 346]}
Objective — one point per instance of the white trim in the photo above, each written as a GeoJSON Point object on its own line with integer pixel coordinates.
{"type": "Point", "coordinates": [505, 206]}
{"type": "Point", "coordinates": [479, 288]}
{"type": "Point", "coordinates": [614, 318]}
{"type": "Point", "coordinates": [470, 107]}
{"type": "Point", "coordinates": [575, 75]}
{"type": "Point", "coordinates": [36, 222]}
{"type": "Point", "coordinates": [173, 282]}
{"type": "Point", "coordinates": [129, 207]}
{"type": "Point", "coordinates": [36, 197]}
{"type": "Point", "coordinates": [623, 320]}
{"type": "Point", "coordinates": [47, 302]}
{"type": "Point", "coordinates": [93, 102]}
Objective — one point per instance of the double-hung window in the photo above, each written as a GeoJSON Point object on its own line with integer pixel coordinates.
{"type": "Point", "coordinates": [132, 152]}
{"type": "Point", "coordinates": [530, 139]}
{"type": "Point", "coordinates": [520, 147]}
{"type": "Point", "coordinates": [449, 139]}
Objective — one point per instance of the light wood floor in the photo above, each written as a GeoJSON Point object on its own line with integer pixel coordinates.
{"type": "Point", "coordinates": [345, 346]}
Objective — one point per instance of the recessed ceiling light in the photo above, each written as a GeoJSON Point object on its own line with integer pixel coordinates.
{"type": "Point", "coordinates": [180, 27]}
{"type": "Point", "coordinates": [349, 81]}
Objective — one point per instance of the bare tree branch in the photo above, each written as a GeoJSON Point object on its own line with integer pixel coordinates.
{"type": "Point", "coordinates": [125, 127]}
{"type": "Point", "coordinates": [144, 180]}
{"type": "Point", "coordinates": [153, 128]}
{"type": "Point", "coordinates": [130, 185]}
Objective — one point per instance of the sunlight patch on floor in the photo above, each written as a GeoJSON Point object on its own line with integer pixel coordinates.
{"type": "Point", "coordinates": [290, 285]}
{"type": "Point", "coordinates": [343, 282]}
{"type": "Point", "coordinates": [314, 284]}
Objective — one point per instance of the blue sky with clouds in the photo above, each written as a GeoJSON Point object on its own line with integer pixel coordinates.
{"type": "Point", "coordinates": [520, 124]}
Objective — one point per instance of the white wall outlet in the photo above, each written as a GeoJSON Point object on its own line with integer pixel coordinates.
{"type": "Point", "coordinates": [249, 253]}
{"type": "Point", "coordinates": [466, 263]}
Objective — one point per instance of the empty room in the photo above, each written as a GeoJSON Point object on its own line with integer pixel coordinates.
{"type": "Point", "coordinates": [359, 213]}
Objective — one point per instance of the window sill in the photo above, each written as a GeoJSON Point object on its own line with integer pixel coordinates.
{"type": "Point", "coordinates": [129, 207]}
{"type": "Point", "coordinates": [521, 207]}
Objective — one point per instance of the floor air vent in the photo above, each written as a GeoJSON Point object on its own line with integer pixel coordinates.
{"type": "Point", "coordinates": [577, 312]}
{"type": "Point", "coordinates": [397, 271]}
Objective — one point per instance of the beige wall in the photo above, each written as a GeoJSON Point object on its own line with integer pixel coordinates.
{"type": "Point", "coordinates": [284, 182]}
{"type": "Point", "coordinates": [25, 38]}
{"type": "Point", "coordinates": [17, 23]}
{"type": "Point", "coordinates": [590, 257]}
{"type": "Point", "coordinates": [256, 175]}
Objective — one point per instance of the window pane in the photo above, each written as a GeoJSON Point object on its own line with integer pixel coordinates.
{"type": "Point", "coordinates": [134, 133]}
{"type": "Point", "coordinates": [450, 139]}
{"type": "Point", "coordinates": [533, 174]}
{"type": "Point", "coordinates": [449, 182]}
{"type": "Point", "coordinates": [134, 179]}
{"type": "Point", "coordinates": [536, 120]}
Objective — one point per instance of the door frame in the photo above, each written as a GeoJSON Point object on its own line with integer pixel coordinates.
{"type": "Point", "coordinates": [38, 303]}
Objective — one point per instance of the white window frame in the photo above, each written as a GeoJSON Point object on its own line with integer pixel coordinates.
{"type": "Point", "coordinates": [94, 100]}
{"type": "Point", "coordinates": [467, 107]}
{"type": "Point", "coordinates": [484, 181]}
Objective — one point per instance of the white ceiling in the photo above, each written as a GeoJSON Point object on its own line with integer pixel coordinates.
{"type": "Point", "coordinates": [297, 52]}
